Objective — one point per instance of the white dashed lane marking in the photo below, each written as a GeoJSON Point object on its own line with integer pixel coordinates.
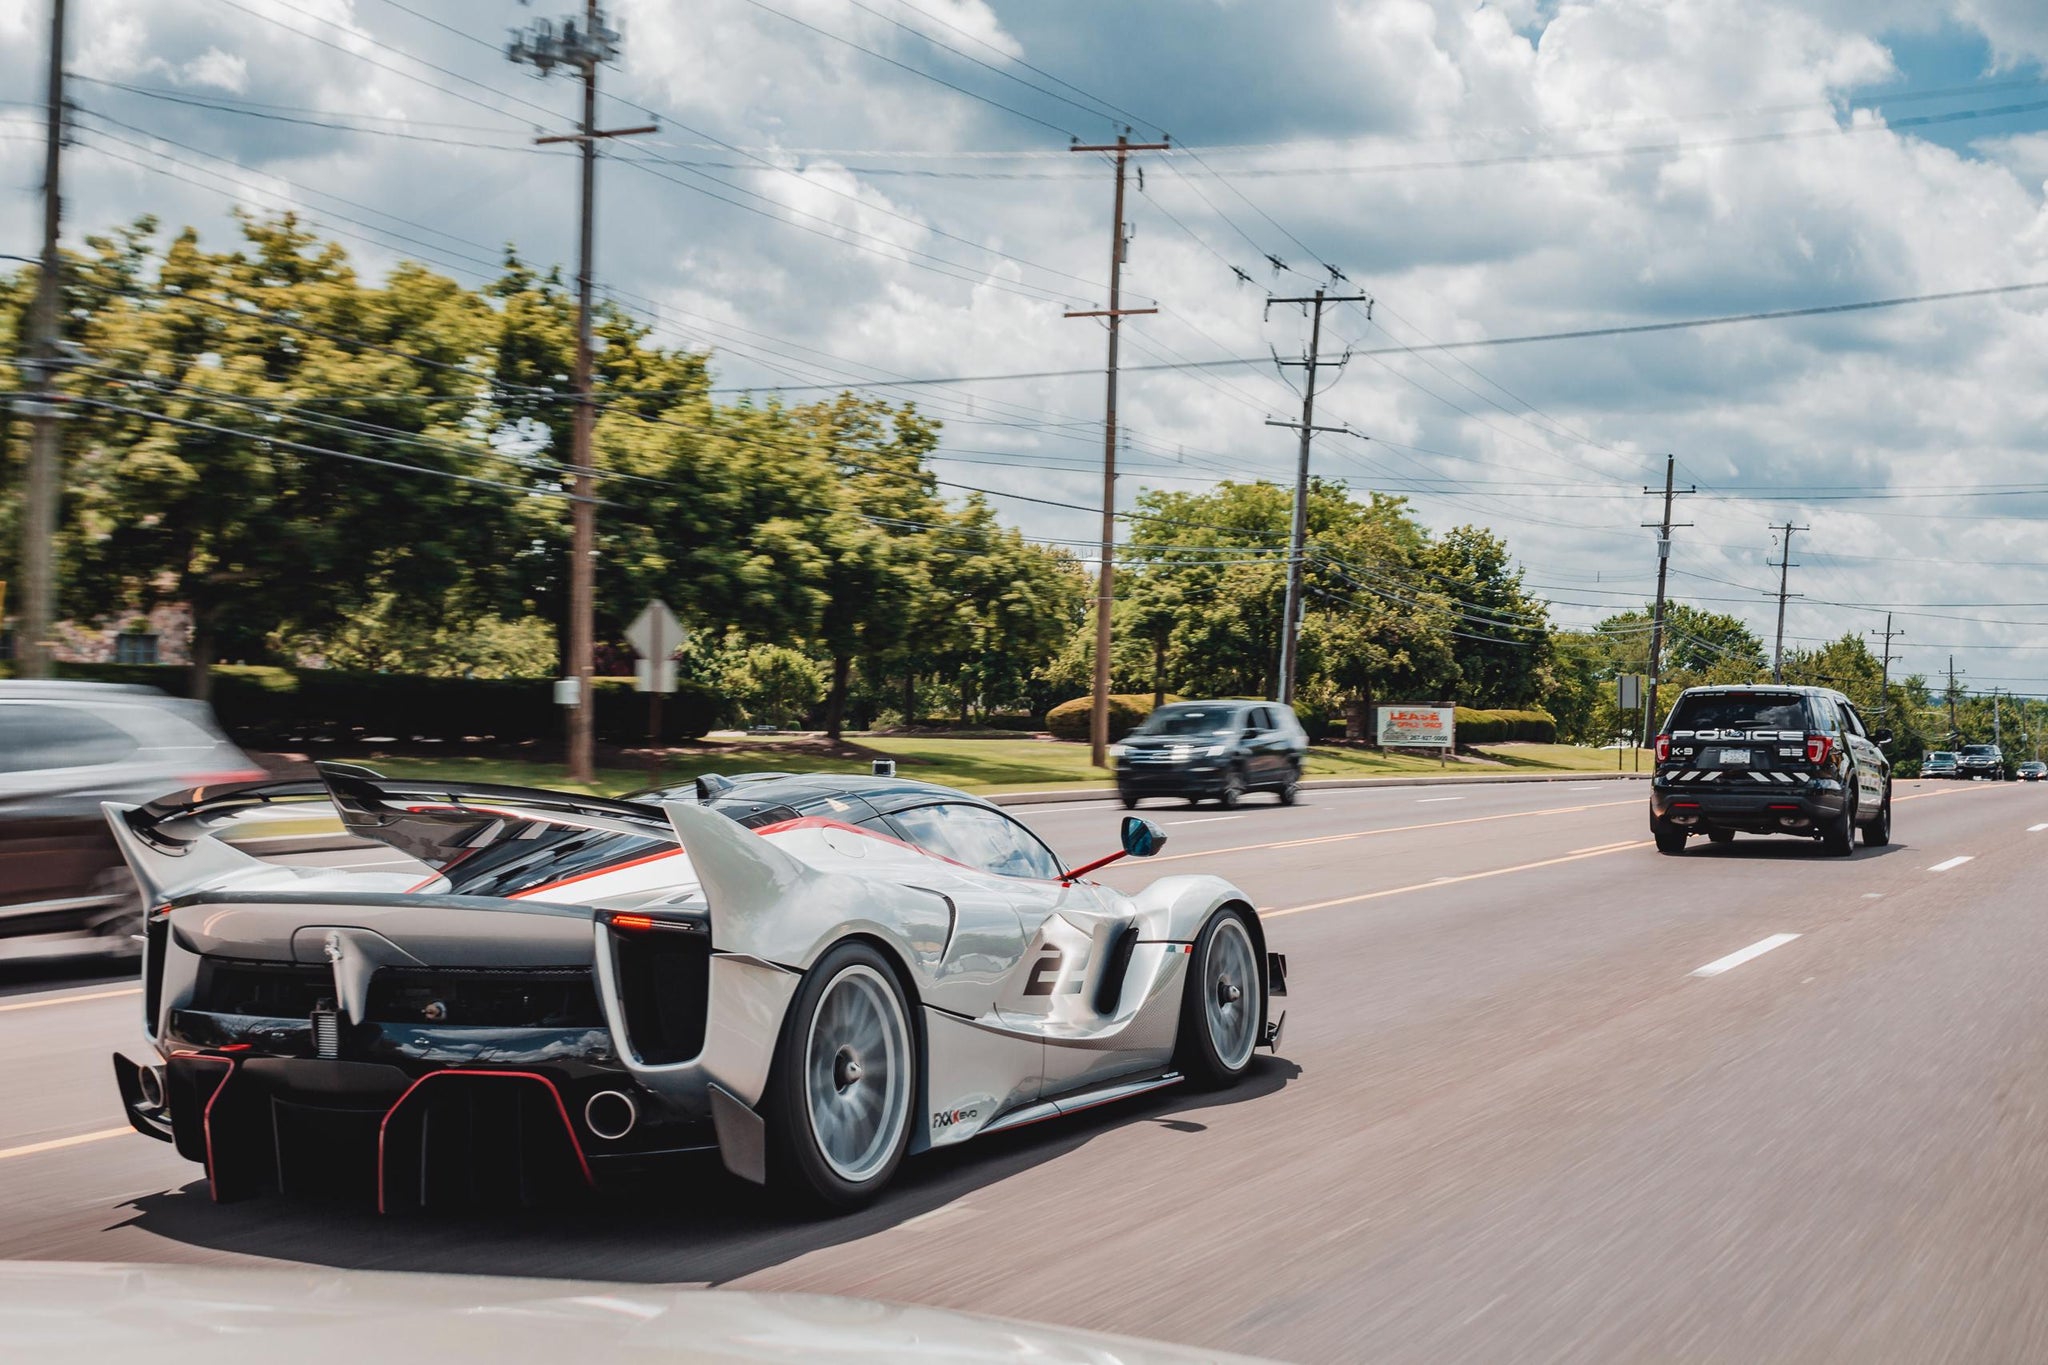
{"type": "Point", "coordinates": [1736, 959]}
{"type": "Point", "coordinates": [1432, 800]}
{"type": "Point", "coordinates": [1951, 863]}
{"type": "Point", "coordinates": [2036, 829]}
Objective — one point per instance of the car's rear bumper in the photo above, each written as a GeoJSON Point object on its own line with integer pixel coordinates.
{"type": "Point", "coordinates": [1799, 807]}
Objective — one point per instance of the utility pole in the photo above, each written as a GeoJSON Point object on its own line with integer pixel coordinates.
{"type": "Point", "coordinates": [1954, 733]}
{"type": "Point", "coordinates": [1105, 584]}
{"type": "Point", "coordinates": [1884, 688]}
{"type": "Point", "coordinates": [1290, 623]}
{"type": "Point", "coordinates": [46, 442]}
{"type": "Point", "coordinates": [1997, 727]}
{"type": "Point", "coordinates": [546, 45]}
{"type": "Point", "coordinates": [1663, 529]}
{"type": "Point", "coordinates": [1785, 567]}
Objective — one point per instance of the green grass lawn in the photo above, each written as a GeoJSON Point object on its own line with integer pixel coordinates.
{"type": "Point", "coordinates": [987, 766]}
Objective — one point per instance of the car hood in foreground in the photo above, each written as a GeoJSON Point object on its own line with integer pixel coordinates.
{"type": "Point", "coordinates": [172, 1315]}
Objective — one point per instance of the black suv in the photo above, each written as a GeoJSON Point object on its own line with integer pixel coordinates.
{"type": "Point", "coordinates": [1981, 760]}
{"type": "Point", "coordinates": [1770, 760]}
{"type": "Point", "coordinates": [1223, 749]}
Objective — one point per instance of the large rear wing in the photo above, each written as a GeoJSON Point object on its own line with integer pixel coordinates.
{"type": "Point", "coordinates": [438, 821]}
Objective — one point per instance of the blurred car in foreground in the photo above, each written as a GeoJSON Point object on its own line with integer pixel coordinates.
{"type": "Point", "coordinates": [2033, 771]}
{"type": "Point", "coordinates": [65, 748]}
{"type": "Point", "coordinates": [191, 1315]}
{"type": "Point", "coordinates": [1196, 749]}
{"type": "Point", "coordinates": [1940, 763]}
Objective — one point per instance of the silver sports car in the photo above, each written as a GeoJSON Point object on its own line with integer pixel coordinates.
{"type": "Point", "coordinates": [814, 975]}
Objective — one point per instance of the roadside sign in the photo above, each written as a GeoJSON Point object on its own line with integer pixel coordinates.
{"type": "Point", "coordinates": [1417, 727]}
{"type": "Point", "coordinates": [655, 635]}
{"type": "Point", "coordinates": [1629, 691]}
{"type": "Point", "coordinates": [652, 676]}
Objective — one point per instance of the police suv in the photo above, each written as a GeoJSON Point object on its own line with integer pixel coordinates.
{"type": "Point", "coordinates": [1770, 760]}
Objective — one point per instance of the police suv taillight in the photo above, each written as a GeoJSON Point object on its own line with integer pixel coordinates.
{"type": "Point", "coordinates": [1663, 748]}
{"type": "Point", "coordinates": [1818, 747]}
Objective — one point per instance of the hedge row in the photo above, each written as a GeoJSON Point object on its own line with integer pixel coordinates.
{"type": "Point", "coordinates": [1495, 727]}
{"type": "Point", "coordinates": [260, 705]}
{"type": "Point", "coordinates": [1127, 710]}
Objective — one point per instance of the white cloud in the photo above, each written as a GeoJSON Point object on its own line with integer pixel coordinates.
{"type": "Point", "coordinates": [1911, 401]}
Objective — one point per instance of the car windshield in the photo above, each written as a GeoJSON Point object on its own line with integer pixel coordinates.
{"type": "Point", "coordinates": [1740, 711]}
{"type": "Point", "coordinates": [1189, 720]}
{"type": "Point", "coordinates": [1941, 756]}
{"type": "Point", "coordinates": [1980, 750]}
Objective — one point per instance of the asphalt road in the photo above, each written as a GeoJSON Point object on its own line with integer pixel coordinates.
{"type": "Point", "coordinates": [1542, 1095]}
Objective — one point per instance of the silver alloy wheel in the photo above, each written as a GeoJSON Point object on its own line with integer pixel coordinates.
{"type": "Point", "coordinates": [857, 1073]}
{"type": "Point", "coordinates": [1230, 993]}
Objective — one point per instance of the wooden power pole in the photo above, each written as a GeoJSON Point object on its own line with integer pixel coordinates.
{"type": "Point", "coordinates": [1663, 529]}
{"type": "Point", "coordinates": [46, 441]}
{"type": "Point", "coordinates": [1297, 541]}
{"type": "Point", "coordinates": [582, 46]}
{"type": "Point", "coordinates": [1105, 583]}
{"type": "Point", "coordinates": [1785, 567]}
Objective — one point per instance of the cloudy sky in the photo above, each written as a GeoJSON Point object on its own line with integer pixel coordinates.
{"type": "Point", "coordinates": [859, 191]}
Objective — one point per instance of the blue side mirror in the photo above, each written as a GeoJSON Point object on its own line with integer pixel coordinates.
{"type": "Point", "coordinates": [1142, 838]}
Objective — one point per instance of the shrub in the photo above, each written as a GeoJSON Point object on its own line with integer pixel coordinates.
{"type": "Point", "coordinates": [1496, 727]}
{"type": "Point", "coordinates": [1070, 719]}
{"type": "Point", "coordinates": [267, 706]}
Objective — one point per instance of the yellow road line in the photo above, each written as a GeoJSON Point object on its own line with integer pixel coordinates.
{"type": "Point", "coordinates": [71, 999]}
{"type": "Point", "coordinates": [54, 1144]}
{"type": "Point", "coordinates": [1453, 881]}
{"type": "Point", "coordinates": [1394, 829]}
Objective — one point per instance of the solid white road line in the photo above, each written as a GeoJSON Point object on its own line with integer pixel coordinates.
{"type": "Point", "coordinates": [70, 999]}
{"type": "Point", "coordinates": [2036, 829]}
{"type": "Point", "coordinates": [1203, 820]}
{"type": "Point", "coordinates": [1951, 863]}
{"type": "Point", "coordinates": [75, 1140]}
{"type": "Point", "coordinates": [1736, 959]}
{"type": "Point", "coordinates": [1432, 800]}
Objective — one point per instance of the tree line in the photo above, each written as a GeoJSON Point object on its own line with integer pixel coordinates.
{"type": "Point", "coordinates": [371, 474]}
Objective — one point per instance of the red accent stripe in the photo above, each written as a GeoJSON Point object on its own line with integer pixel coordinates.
{"type": "Point", "coordinates": [206, 1116]}
{"type": "Point", "coordinates": [575, 1144]}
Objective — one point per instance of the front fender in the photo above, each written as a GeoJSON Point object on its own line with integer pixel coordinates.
{"type": "Point", "coordinates": [1174, 909]}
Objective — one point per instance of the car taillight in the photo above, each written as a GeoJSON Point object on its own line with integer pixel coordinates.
{"type": "Point", "coordinates": [1663, 748]}
{"type": "Point", "coordinates": [1818, 747]}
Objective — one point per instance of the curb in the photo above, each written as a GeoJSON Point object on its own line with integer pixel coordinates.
{"type": "Point", "coordinates": [1334, 783]}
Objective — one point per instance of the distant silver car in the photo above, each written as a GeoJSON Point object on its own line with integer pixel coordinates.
{"type": "Point", "coordinates": [64, 749]}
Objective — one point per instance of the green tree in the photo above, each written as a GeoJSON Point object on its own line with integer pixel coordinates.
{"type": "Point", "coordinates": [1502, 646]}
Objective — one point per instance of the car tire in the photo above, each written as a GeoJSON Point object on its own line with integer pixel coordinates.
{"type": "Point", "coordinates": [1838, 836]}
{"type": "Point", "coordinates": [1222, 1003]}
{"type": "Point", "coordinates": [1290, 788]}
{"type": "Point", "coordinates": [1721, 836]}
{"type": "Point", "coordinates": [1130, 802]}
{"type": "Point", "coordinates": [1878, 832]}
{"type": "Point", "coordinates": [847, 1027]}
{"type": "Point", "coordinates": [1233, 790]}
{"type": "Point", "coordinates": [1670, 838]}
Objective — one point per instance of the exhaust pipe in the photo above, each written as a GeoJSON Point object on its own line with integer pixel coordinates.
{"type": "Point", "coordinates": [149, 1080]}
{"type": "Point", "coordinates": [610, 1114]}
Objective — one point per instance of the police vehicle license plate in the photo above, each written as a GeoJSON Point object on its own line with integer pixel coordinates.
{"type": "Point", "coordinates": [1734, 758]}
